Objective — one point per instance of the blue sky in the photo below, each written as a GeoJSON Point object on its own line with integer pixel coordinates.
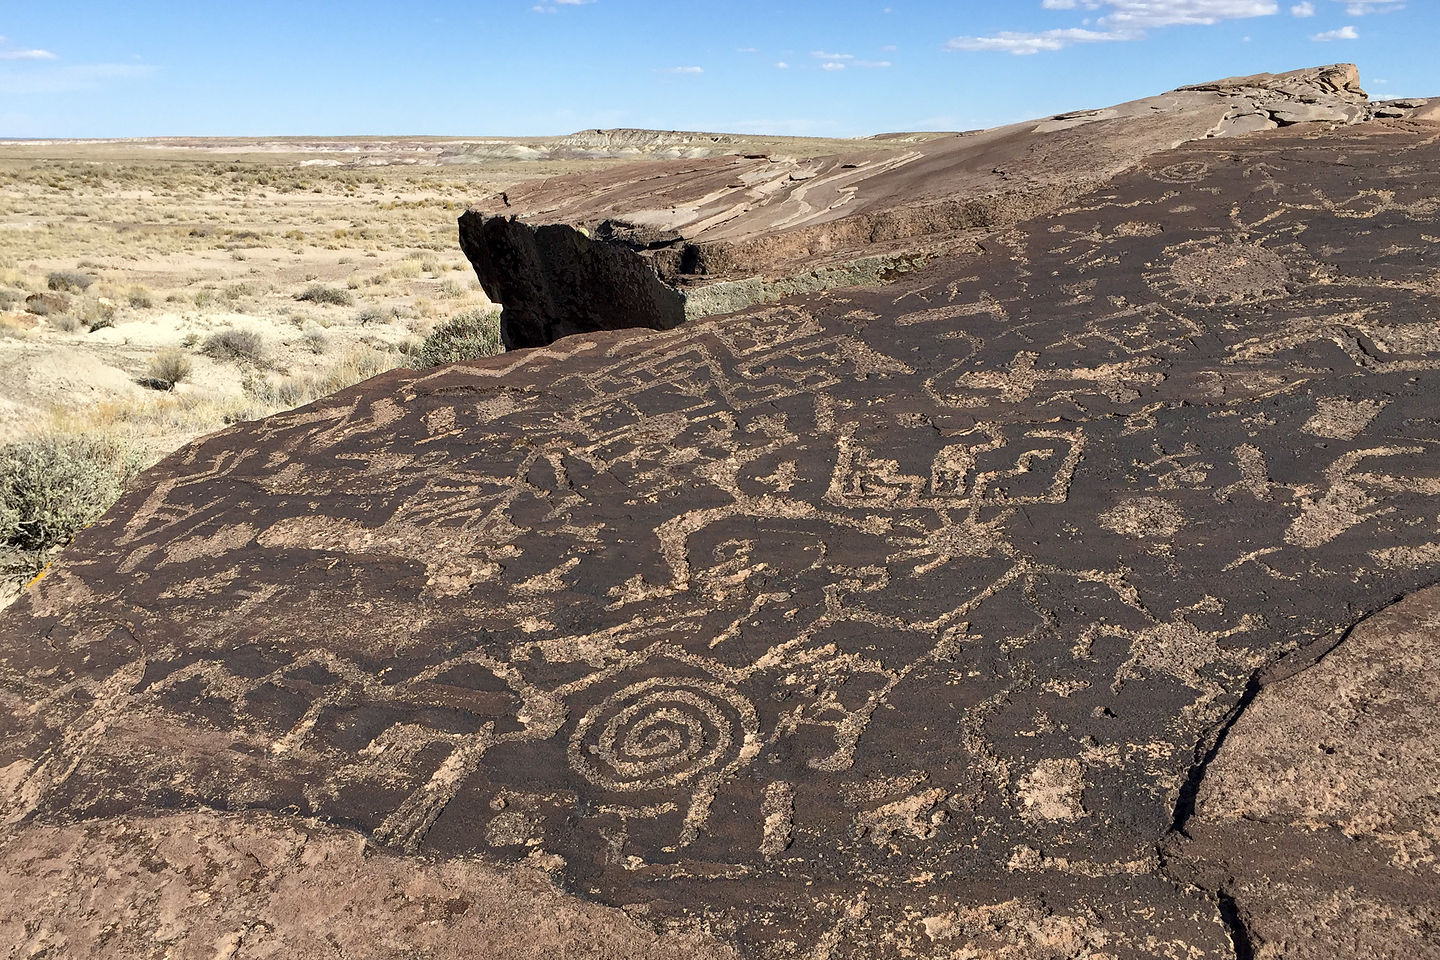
{"type": "Point", "coordinates": [70, 68]}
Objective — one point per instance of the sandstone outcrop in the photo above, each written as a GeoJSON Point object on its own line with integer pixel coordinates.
{"type": "Point", "coordinates": [990, 613]}
{"type": "Point", "coordinates": [726, 232]}
{"type": "Point", "coordinates": [1320, 815]}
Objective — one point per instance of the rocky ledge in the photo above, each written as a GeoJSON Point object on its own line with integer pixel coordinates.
{"type": "Point", "coordinates": [651, 244]}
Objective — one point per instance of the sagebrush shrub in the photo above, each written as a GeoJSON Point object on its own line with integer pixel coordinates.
{"type": "Point", "coordinates": [466, 336]}
{"type": "Point", "coordinates": [168, 367]}
{"type": "Point", "coordinates": [315, 340]}
{"type": "Point", "coordinates": [319, 293]}
{"type": "Point", "coordinates": [374, 315]}
{"type": "Point", "coordinates": [69, 281]}
{"type": "Point", "coordinates": [47, 304]}
{"type": "Point", "coordinates": [51, 486]}
{"type": "Point", "coordinates": [234, 344]}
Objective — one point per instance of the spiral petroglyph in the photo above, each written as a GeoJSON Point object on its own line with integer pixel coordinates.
{"type": "Point", "coordinates": [662, 733]}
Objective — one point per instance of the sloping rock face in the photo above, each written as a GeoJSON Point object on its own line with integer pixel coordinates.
{"type": "Point", "coordinates": [889, 622]}
{"type": "Point", "coordinates": [728, 232]}
{"type": "Point", "coordinates": [1320, 815]}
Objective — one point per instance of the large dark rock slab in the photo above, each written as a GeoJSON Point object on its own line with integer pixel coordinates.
{"type": "Point", "coordinates": [557, 281]}
{"type": "Point", "coordinates": [894, 621]}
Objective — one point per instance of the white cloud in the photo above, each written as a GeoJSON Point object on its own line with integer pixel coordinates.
{"type": "Point", "coordinates": [687, 70]}
{"type": "Point", "coordinates": [1344, 33]}
{"type": "Point", "coordinates": [1360, 8]}
{"type": "Point", "coordinates": [1124, 20]}
{"type": "Point", "coordinates": [832, 65]}
{"type": "Point", "coordinates": [27, 55]}
{"type": "Point", "coordinates": [822, 55]}
{"type": "Point", "coordinates": [1166, 13]}
{"type": "Point", "coordinates": [872, 64]}
{"type": "Point", "coordinates": [1306, 9]}
{"type": "Point", "coordinates": [746, 50]}
{"type": "Point", "coordinates": [1020, 44]}
{"type": "Point", "coordinates": [782, 65]}
{"type": "Point", "coordinates": [72, 79]}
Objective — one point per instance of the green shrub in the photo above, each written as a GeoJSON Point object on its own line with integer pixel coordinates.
{"type": "Point", "coordinates": [69, 281]}
{"type": "Point", "coordinates": [167, 368]}
{"type": "Point", "coordinates": [51, 486]}
{"type": "Point", "coordinates": [319, 293]}
{"type": "Point", "coordinates": [466, 336]}
{"type": "Point", "coordinates": [233, 344]}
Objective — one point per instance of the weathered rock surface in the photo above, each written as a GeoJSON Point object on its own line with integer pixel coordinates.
{"type": "Point", "coordinates": [1320, 815]}
{"type": "Point", "coordinates": [889, 622]}
{"type": "Point", "coordinates": [728, 232]}
{"type": "Point", "coordinates": [208, 885]}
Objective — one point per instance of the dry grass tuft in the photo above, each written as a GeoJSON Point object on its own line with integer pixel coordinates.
{"type": "Point", "coordinates": [167, 368]}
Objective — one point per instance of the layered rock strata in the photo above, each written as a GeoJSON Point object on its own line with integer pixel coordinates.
{"type": "Point", "coordinates": [656, 242]}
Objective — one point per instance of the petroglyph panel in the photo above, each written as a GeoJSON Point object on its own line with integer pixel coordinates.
{"type": "Point", "coordinates": [911, 608]}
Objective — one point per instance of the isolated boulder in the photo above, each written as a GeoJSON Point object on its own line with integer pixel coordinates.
{"type": "Point", "coordinates": [557, 281]}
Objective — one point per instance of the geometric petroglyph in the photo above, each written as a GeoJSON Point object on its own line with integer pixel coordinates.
{"type": "Point", "coordinates": [665, 733]}
{"type": "Point", "coordinates": [1182, 171]}
{"type": "Point", "coordinates": [986, 469]}
{"type": "Point", "coordinates": [1227, 272]}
